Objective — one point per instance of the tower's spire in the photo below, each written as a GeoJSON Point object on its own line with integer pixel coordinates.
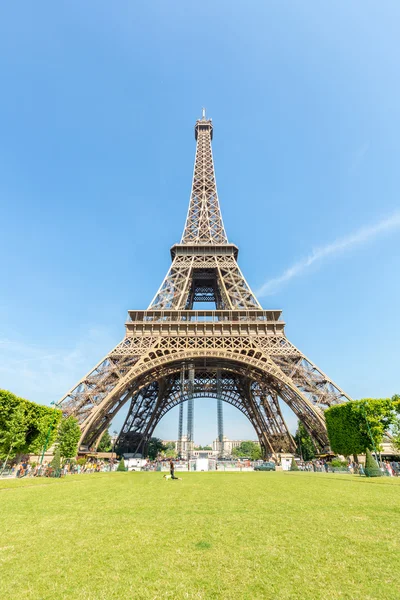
{"type": "Point", "coordinates": [204, 223]}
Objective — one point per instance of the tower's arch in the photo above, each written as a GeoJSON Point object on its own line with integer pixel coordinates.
{"type": "Point", "coordinates": [247, 380]}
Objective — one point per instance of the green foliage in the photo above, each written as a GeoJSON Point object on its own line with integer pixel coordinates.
{"type": "Point", "coordinates": [293, 466]}
{"type": "Point", "coordinates": [169, 450]}
{"type": "Point", "coordinates": [248, 449]}
{"type": "Point", "coordinates": [396, 424]}
{"type": "Point", "coordinates": [304, 442]}
{"type": "Point", "coordinates": [256, 453]}
{"type": "Point", "coordinates": [56, 462]}
{"type": "Point", "coordinates": [338, 464]}
{"type": "Point", "coordinates": [121, 465]}
{"type": "Point", "coordinates": [105, 444]}
{"type": "Point", "coordinates": [351, 425]}
{"type": "Point", "coordinates": [155, 448]}
{"type": "Point", "coordinates": [68, 437]}
{"type": "Point", "coordinates": [171, 453]}
{"type": "Point", "coordinates": [13, 434]}
{"type": "Point", "coordinates": [81, 461]}
{"type": "Point", "coordinates": [396, 435]}
{"type": "Point", "coordinates": [25, 426]}
{"type": "Point", "coordinates": [204, 448]}
{"type": "Point", "coordinates": [42, 426]}
{"type": "Point", "coordinates": [371, 466]}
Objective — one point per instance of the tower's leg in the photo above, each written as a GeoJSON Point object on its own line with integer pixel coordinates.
{"type": "Point", "coordinates": [220, 427]}
{"type": "Point", "coordinates": [220, 415]}
{"type": "Point", "coordinates": [180, 423]}
{"type": "Point", "coordinates": [190, 416]}
{"type": "Point", "coordinates": [180, 430]}
{"type": "Point", "coordinates": [279, 434]}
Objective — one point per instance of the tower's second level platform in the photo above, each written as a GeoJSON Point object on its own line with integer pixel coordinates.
{"type": "Point", "coordinates": [201, 322]}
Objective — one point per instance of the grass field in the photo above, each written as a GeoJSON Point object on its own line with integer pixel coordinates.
{"type": "Point", "coordinates": [213, 535]}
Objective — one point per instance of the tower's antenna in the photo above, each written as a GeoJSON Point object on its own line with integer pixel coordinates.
{"type": "Point", "coordinates": [203, 113]}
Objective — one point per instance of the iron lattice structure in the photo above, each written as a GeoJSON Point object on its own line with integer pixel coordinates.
{"type": "Point", "coordinates": [172, 353]}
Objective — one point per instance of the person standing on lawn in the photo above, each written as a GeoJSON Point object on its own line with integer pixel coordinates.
{"type": "Point", "coordinates": [172, 469]}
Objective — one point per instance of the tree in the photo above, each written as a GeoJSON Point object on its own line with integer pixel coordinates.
{"type": "Point", "coordinates": [42, 426]}
{"type": "Point", "coordinates": [247, 449]}
{"type": "Point", "coordinates": [396, 435]}
{"type": "Point", "coordinates": [396, 424]}
{"type": "Point", "coordinates": [293, 466]}
{"type": "Point", "coordinates": [105, 444]}
{"type": "Point", "coordinates": [121, 465]}
{"type": "Point", "coordinates": [304, 442]}
{"type": "Point", "coordinates": [25, 426]}
{"type": "Point", "coordinates": [12, 439]}
{"type": "Point", "coordinates": [171, 453]}
{"type": "Point", "coordinates": [56, 462]}
{"type": "Point", "coordinates": [256, 453]}
{"type": "Point", "coordinates": [355, 426]}
{"type": "Point", "coordinates": [155, 447]}
{"type": "Point", "coordinates": [371, 466]}
{"type": "Point", "coordinates": [69, 434]}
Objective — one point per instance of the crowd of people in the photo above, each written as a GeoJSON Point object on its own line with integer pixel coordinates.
{"type": "Point", "coordinates": [92, 465]}
{"type": "Point", "coordinates": [316, 466]}
{"type": "Point", "coordinates": [46, 469]}
{"type": "Point", "coordinates": [391, 469]}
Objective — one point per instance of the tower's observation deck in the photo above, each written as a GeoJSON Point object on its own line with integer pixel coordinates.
{"type": "Point", "coordinates": [206, 250]}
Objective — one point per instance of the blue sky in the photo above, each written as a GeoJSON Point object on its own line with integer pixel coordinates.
{"type": "Point", "coordinates": [97, 110]}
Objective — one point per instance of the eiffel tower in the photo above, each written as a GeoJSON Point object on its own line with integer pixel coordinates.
{"type": "Point", "coordinates": [172, 353]}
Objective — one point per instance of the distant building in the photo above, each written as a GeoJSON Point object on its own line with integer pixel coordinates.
{"type": "Point", "coordinates": [184, 448]}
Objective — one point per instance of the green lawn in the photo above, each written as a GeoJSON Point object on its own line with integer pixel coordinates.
{"type": "Point", "coordinates": [212, 535]}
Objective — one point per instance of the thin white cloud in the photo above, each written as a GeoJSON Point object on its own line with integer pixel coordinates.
{"type": "Point", "coordinates": [363, 235]}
